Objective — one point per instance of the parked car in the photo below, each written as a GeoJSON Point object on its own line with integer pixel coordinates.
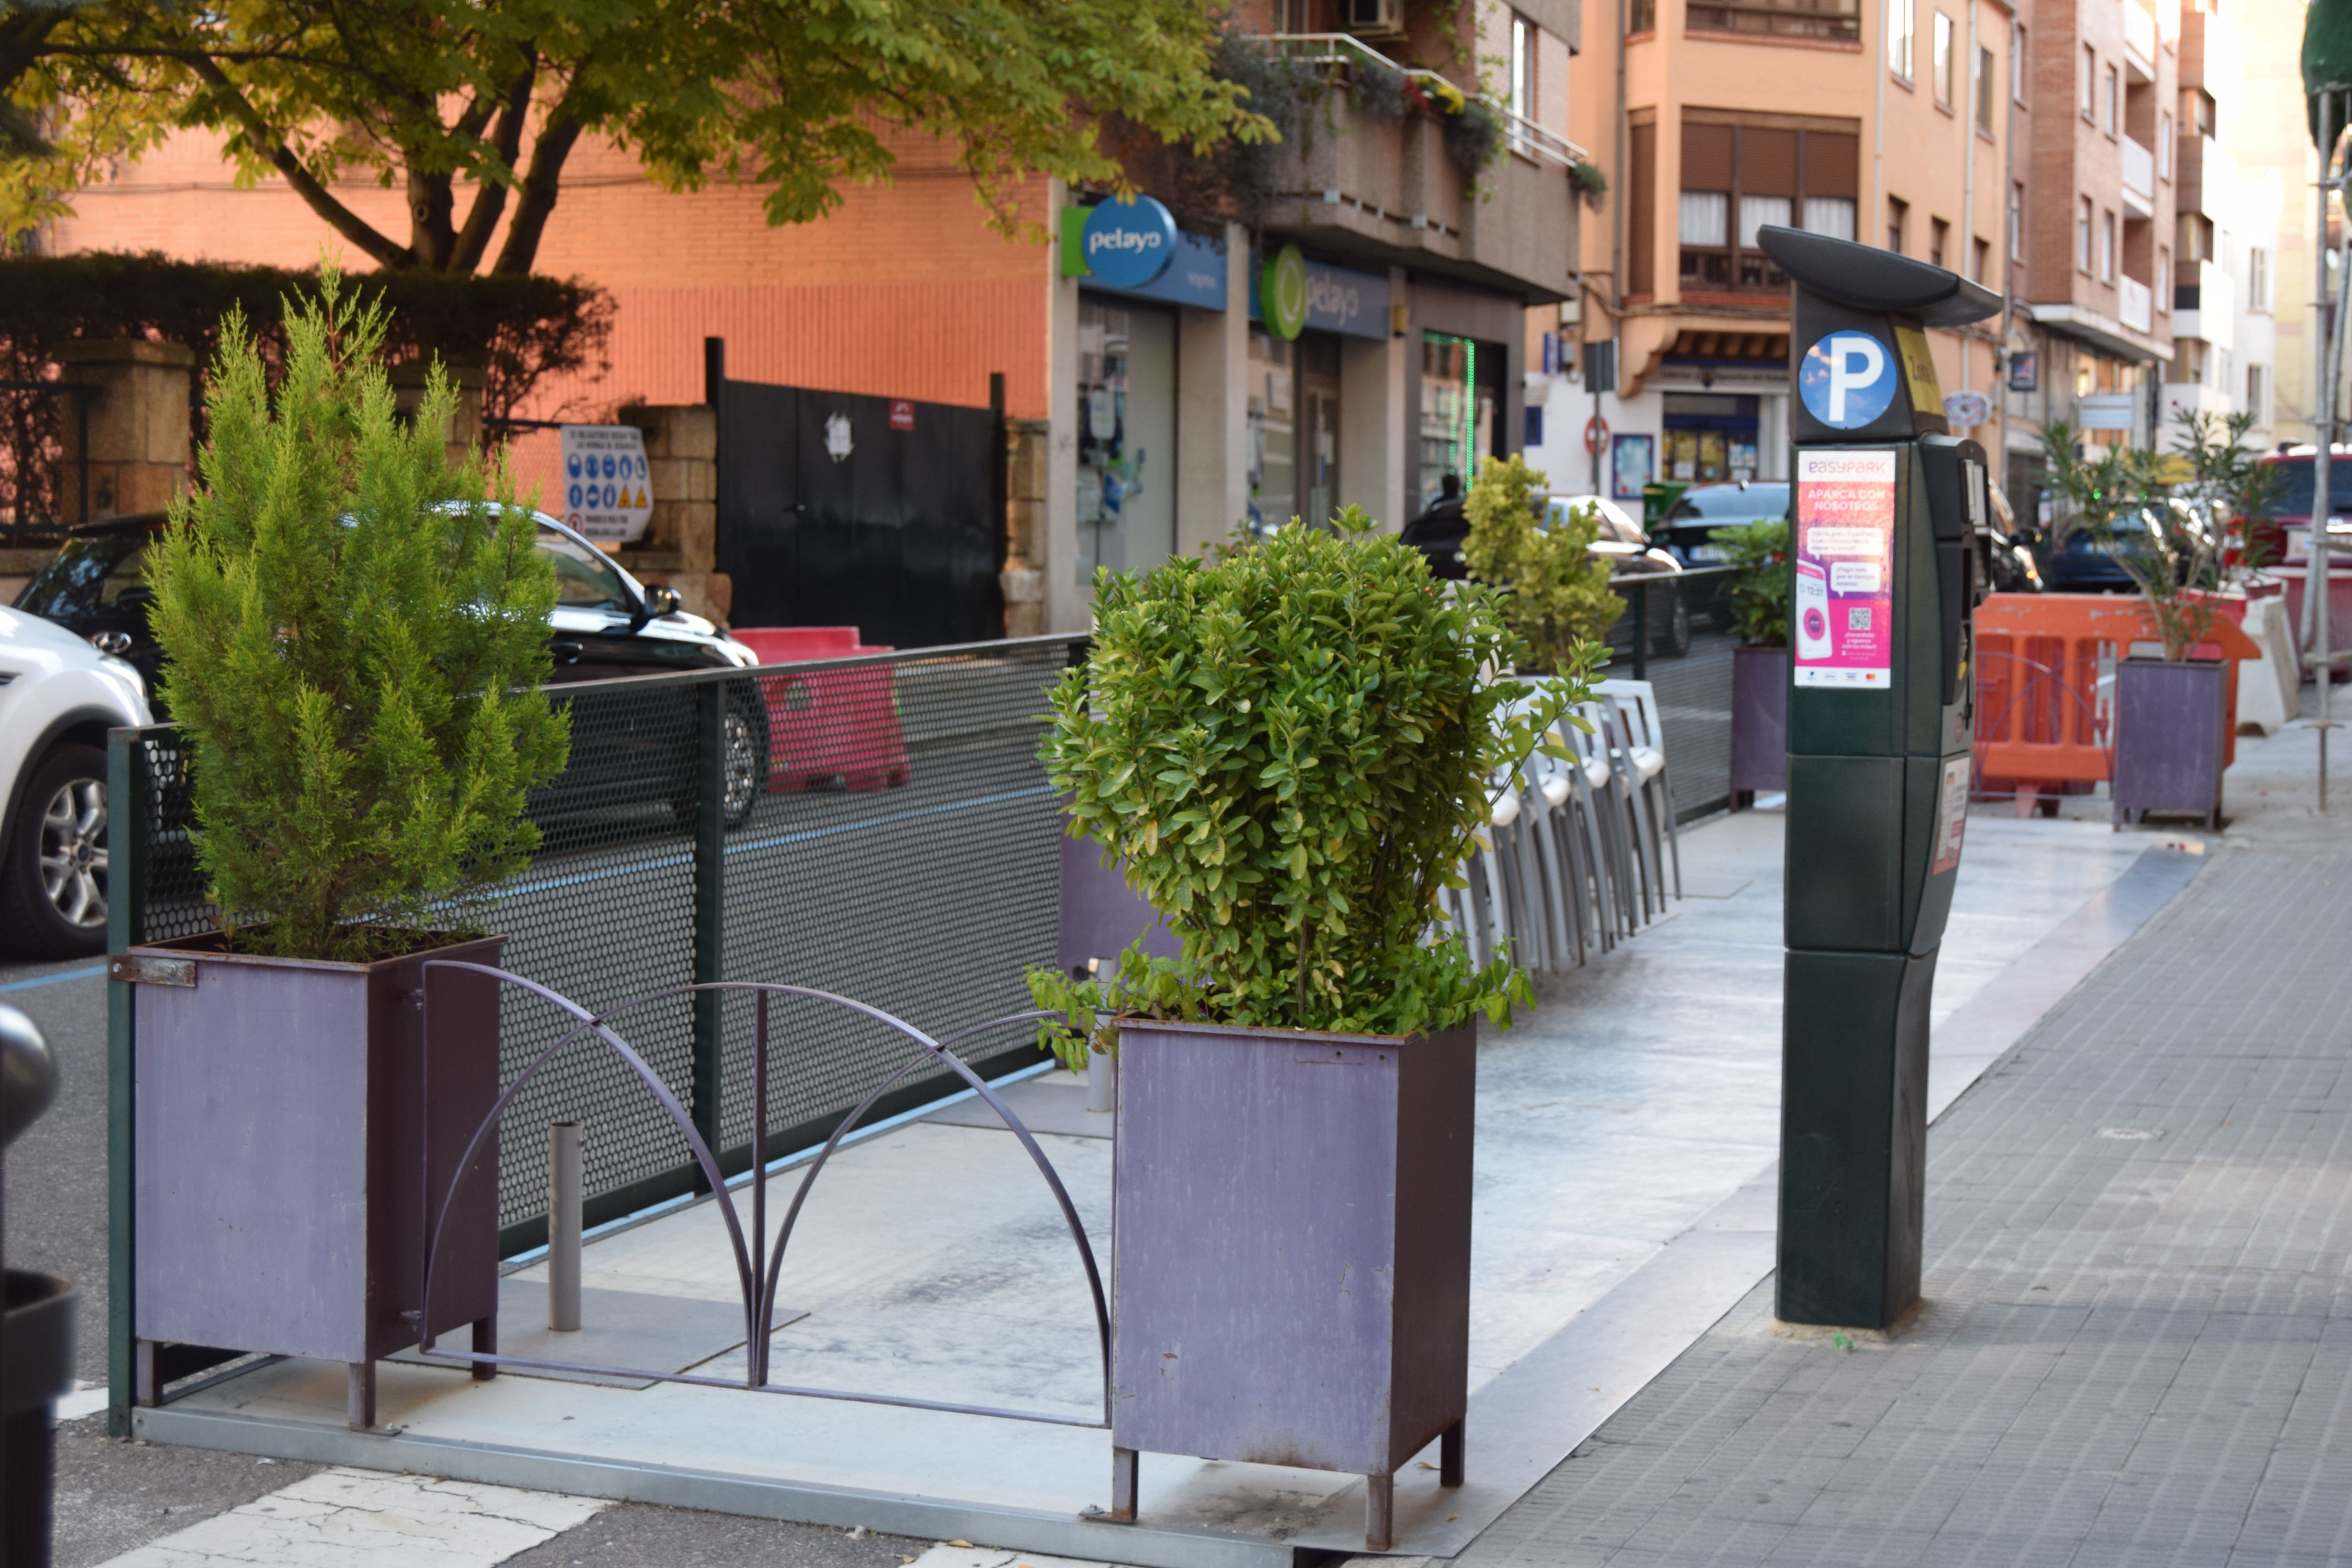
{"type": "Point", "coordinates": [2008, 560]}
{"type": "Point", "coordinates": [625, 747]}
{"type": "Point", "coordinates": [58, 697]}
{"type": "Point", "coordinates": [2284, 537]}
{"type": "Point", "coordinates": [2082, 562]}
{"type": "Point", "coordinates": [1439, 533]}
{"type": "Point", "coordinates": [1691, 521]}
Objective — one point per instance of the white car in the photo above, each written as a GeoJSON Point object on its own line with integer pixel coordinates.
{"type": "Point", "coordinates": [58, 697]}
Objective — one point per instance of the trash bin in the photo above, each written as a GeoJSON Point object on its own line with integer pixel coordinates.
{"type": "Point", "coordinates": [37, 1341]}
{"type": "Point", "coordinates": [828, 726]}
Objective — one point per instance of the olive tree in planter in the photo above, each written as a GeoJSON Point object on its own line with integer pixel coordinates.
{"type": "Point", "coordinates": [1758, 554]}
{"type": "Point", "coordinates": [2172, 536]}
{"type": "Point", "coordinates": [354, 640]}
{"type": "Point", "coordinates": [1288, 746]}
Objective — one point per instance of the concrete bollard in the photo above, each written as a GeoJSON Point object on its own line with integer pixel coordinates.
{"type": "Point", "coordinates": [565, 1182]}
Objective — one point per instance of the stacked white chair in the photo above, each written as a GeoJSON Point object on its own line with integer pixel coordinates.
{"type": "Point", "coordinates": [1645, 752]}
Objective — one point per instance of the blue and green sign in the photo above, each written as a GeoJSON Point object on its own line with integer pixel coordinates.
{"type": "Point", "coordinates": [1127, 244]}
{"type": "Point", "coordinates": [1282, 292]}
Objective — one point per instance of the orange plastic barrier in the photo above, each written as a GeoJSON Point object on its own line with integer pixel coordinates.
{"type": "Point", "coordinates": [2045, 717]}
{"type": "Point", "coordinates": [828, 724]}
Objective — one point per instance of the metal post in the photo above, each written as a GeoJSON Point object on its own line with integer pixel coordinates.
{"type": "Point", "coordinates": [126, 858]}
{"type": "Point", "coordinates": [566, 1181]}
{"type": "Point", "coordinates": [1640, 628]}
{"type": "Point", "coordinates": [2315, 585]}
{"type": "Point", "coordinates": [709, 906]}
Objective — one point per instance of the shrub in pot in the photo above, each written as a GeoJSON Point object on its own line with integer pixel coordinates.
{"type": "Point", "coordinates": [353, 643]}
{"type": "Point", "coordinates": [1557, 596]}
{"type": "Point", "coordinates": [1758, 554]}
{"type": "Point", "coordinates": [1289, 747]}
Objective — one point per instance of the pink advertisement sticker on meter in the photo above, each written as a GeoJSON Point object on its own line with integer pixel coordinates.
{"type": "Point", "coordinates": [1842, 615]}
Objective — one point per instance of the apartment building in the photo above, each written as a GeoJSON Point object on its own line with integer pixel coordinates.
{"type": "Point", "coordinates": [2094, 268]}
{"type": "Point", "coordinates": [2226, 246]}
{"type": "Point", "coordinates": [1889, 123]}
{"type": "Point", "coordinates": [1169, 407]}
{"type": "Point", "coordinates": [2277, 171]}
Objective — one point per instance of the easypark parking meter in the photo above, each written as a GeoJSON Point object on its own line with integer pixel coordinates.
{"type": "Point", "coordinates": [1885, 579]}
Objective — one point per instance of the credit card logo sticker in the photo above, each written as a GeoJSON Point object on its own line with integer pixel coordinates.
{"type": "Point", "coordinates": [1847, 380]}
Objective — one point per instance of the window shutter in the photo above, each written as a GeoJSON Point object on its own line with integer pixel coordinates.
{"type": "Point", "coordinates": [1832, 164]}
{"type": "Point", "coordinates": [1768, 162]}
{"type": "Point", "coordinates": [1707, 157]}
{"type": "Point", "coordinates": [1641, 210]}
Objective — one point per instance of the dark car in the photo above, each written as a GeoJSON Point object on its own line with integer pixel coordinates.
{"type": "Point", "coordinates": [2284, 536]}
{"type": "Point", "coordinates": [625, 746]}
{"type": "Point", "coordinates": [1439, 533]}
{"type": "Point", "coordinates": [2082, 562]}
{"type": "Point", "coordinates": [1691, 522]}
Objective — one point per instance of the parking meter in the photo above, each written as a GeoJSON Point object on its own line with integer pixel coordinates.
{"type": "Point", "coordinates": [1885, 579]}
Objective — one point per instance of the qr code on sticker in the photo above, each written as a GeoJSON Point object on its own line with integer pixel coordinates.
{"type": "Point", "coordinates": [1857, 617]}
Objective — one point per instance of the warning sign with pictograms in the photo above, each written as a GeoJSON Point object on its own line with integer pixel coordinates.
{"type": "Point", "coordinates": [606, 488]}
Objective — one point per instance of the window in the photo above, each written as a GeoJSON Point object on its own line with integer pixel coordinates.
{"type": "Point", "coordinates": [1980, 260]}
{"type": "Point", "coordinates": [2082, 237]}
{"type": "Point", "coordinates": [2164, 143]}
{"type": "Point", "coordinates": [1902, 29]}
{"type": "Point", "coordinates": [2017, 62]}
{"type": "Point", "coordinates": [1642, 16]}
{"type": "Point", "coordinates": [2190, 360]}
{"type": "Point", "coordinates": [1523, 82]}
{"type": "Point", "coordinates": [1839, 19]}
{"type": "Point", "coordinates": [2258, 277]}
{"type": "Point", "coordinates": [2017, 221]}
{"type": "Point", "coordinates": [1944, 51]}
{"type": "Point", "coordinates": [2106, 247]}
{"type": "Point", "coordinates": [2257, 390]}
{"type": "Point", "coordinates": [2163, 289]}
{"type": "Point", "coordinates": [2087, 88]}
{"type": "Point", "coordinates": [1898, 213]}
{"type": "Point", "coordinates": [1987, 73]}
{"type": "Point", "coordinates": [2114, 103]}
{"type": "Point", "coordinates": [1737, 178]}
{"type": "Point", "coordinates": [1641, 207]}
{"type": "Point", "coordinates": [2195, 237]}
{"type": "Point", "coordinates": [1939, 236]}
{"type": "Point", "coordinates": [2196, 111]}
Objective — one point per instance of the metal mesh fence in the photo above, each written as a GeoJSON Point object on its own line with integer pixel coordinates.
{"type": "Point", "coordinates": [1676, 633]}
{"type": "Point", "coordinates": [879, 826]}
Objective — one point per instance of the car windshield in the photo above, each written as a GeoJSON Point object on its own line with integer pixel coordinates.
{"type": "Point", "coordinates": [1731, 503]}
{"type": "Point", "coordinates": [585, 578]}
{"type": "Point", "coordinates": [88, 575]}
{"type": "Point", "coordinates": [2296, 488]}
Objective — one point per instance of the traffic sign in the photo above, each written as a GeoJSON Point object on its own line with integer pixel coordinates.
{"type": "Point", "coordinates": [1596, 436]}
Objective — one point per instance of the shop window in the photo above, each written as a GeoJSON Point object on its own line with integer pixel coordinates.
{"type": "Point", "coordinates": [1461, 411]}
{"type": "Point", "coordinates": [1127, 437]}
{"type": "Point", "coordinates": [1739, 179]}
{"type": "Point", "coordinates": [1273, 413]}
{"type": "Point", "coordinates": [1709, 437]}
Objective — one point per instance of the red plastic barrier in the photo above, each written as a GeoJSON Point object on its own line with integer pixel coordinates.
{"type": "Point", "coordinates": [829, 725]}
{"type": "Point", "coordinates": [2043, 719]}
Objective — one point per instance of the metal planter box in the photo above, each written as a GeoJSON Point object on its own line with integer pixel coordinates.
{"type": "Point", "coordinates": [1759, 720]}
{"type": "Point", "coordinates": [283, 1154]}
{"type": "Point", "coordinates": [1291, 1250]}
{"type": "Point", "coordinates": [2172, 737]}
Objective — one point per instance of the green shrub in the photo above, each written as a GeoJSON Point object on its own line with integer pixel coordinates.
{"type": "Point", "coordinates": [1289, 746]}
{"type": "Point", "coordinates": [1758, 553]}
{"type": "Point", "coordinates": [1557, 596]}
{"type": "Point", "coordinates": [354, 640]}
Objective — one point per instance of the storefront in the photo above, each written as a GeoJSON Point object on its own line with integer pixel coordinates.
{"type": "Point", "coordinates": [1708, 438]}
{"type": "Point", "coordinates": [1297, 352]}
{"type": "Point", "coordinates": [1461, 424]}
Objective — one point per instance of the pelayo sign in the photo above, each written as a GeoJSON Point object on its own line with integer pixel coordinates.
{"type": "Point", "coordinates": [1128, 243]}
{"type": "Point", "coordinates": [1294, 293]}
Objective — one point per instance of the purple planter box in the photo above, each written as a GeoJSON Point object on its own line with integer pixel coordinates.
{"type": "Point", "coordinates": [1759, 719]}
{"type": "Point", "coordinates": [282, 1158]}
{"type": "Point", "coordinates": [2169, 737]}
{"type": "Point", "coordinates": [1291, 1250]}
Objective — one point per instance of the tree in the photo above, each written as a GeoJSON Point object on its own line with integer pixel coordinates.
{"type": "Point", "coordinates": [1556, 593]}
{"type": "Point", "coordinates": [798, 96]}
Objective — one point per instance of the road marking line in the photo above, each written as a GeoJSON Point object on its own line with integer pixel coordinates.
{"type": "Point", "coordinates": [341, 1516]}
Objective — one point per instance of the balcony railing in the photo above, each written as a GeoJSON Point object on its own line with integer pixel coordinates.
{"type": "Point", "coordinates": [2139, 177]}
{"type": "Point", "coordinates": [2137, 305]}
{"type": "Point", "coordinates": [1340, 53]}
{"type": "Point", "coordinates": [2139, 39]}
{"type": "Point", "coordinates": [1839, 19]}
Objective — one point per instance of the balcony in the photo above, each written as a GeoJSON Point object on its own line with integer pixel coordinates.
{"type": "Point", "coordinates": [2136, 306]}
{"type": "Point", "coordinates": [2139, 180]}
{"type": "Point", "coordinates": [2208, 176]}
{"type": "Point", "coordinates": [2205, 305]}
{"type": "Point", "coordinates": [1839, 20]}
{"type": "Point", "coordinates": [1381, 189]}
{"type": "Point", "coordinates": [2139, 42]}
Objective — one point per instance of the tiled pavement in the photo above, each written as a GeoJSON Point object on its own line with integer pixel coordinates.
{"type": "Point", "coordinates": [2137, 1342]}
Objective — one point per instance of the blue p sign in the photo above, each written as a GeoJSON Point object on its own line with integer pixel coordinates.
{"type": "Point", "coordinates": [1847, 379]}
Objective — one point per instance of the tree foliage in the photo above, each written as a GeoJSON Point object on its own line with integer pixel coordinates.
{"type": "Point", "coordinates": [797, 96]}
{"type": "Point", "coordinates": [1556, 591]}
{"type": "Point", "coordinates": [353, 644]}
{"type": "Point", "coordinates": [1289, 747]}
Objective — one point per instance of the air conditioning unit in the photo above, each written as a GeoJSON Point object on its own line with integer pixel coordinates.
{"type": "Point", "coordinates": [1373, 18]}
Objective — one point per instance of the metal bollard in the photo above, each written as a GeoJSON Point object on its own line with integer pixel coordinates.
{"type": "Point", "coordinates": [36, 1324]}
{"type": "Point", "coordinates": [565, 1181]}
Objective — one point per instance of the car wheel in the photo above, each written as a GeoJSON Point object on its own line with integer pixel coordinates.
{"type": "Point", "coordinates": [1673, 639]}
{"type": "Point", "coordinates": [53, 884]}
{"type": "Point", "coordinates": [743, 761]}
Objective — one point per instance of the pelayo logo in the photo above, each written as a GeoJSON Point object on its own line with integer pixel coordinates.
{"type": "Point", "coordinates": [1128, 243]}
{"type": "Point", "coordinates": [1283, 292]}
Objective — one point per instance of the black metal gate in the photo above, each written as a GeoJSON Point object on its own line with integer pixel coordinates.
{"type": "Point", "coordinates": [836, 508]}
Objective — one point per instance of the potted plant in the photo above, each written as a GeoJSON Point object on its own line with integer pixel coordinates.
{"type": "Point", "coordinates": [1288, 748]}
{"type": "Point", "coordinates": [1758, 554]}
{"type": "Point", "coordinates": [2166, 523]}
{"type": "Point", "coordinates": [353, 642]}
{"type": "Point", "coordinates": [1557, 596]}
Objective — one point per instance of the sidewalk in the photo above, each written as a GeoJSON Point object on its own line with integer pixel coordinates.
{"type": "Point", "coordinates": [2137, 1342]}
